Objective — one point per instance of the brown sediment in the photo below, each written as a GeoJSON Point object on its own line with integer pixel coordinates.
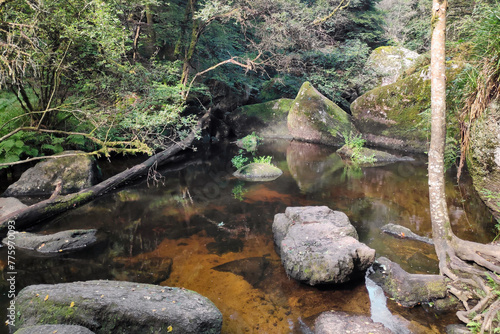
{"type": "Point", "coordinates": [273, 305]}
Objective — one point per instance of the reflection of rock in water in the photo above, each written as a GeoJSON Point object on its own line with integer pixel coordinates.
{"type": "Point", "coordinates": [312, 165]}
{"type": "Point", "coordinates": [152, 270]}
{"type": "Point", "coordinates": [252, 269]}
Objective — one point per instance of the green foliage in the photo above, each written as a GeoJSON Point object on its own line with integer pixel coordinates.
{"type": "Point", "coordinates": [262, 160]}
{"type": "Point", "coordinates": [249, 143]}
{"type": "Point", "coordinates": [355, 144]}
{"type": "Point", "coordinates": [239, 190]}
{"type": "Point", "coordinates": [239, 161]}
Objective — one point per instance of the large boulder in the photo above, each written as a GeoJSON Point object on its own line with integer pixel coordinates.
{"type": "Point", "coordinates": [256, 171]}
{"type": "Point", "coordinates": [407, 289]}
{"type": "Point", "coordinates": [389, 62]}
{"type": "Point", "coordinates": [484, 162]}
{"type": "Point", "coordinates": [76, 172]}
{"type": "Point", "coordinates": [314, 118]}
{"type": "Point", "coordinates": [320, 246]}
{"type": "Point", "coordinates": [341, 322]}
{"type": "Point", "coordinates": [267, 120]}
{"type": "Point", "coordinates": [118, 307]}
{"type": "Point", "coordinates": [57, 243]}
{"type": "Point", "coordinates": [397, 116]}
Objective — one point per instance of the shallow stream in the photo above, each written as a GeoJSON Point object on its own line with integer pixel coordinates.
{"type": "Point", "coordinates": [193, 225]}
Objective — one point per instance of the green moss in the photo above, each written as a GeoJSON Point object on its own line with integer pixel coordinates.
{"type": "Point", "coordinates": [75, 200]}
{"type": "Point", "coordinates": [268, 111]}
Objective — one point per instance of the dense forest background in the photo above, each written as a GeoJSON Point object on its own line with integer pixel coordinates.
{"type": "Point", "coordinates": [129, 77]}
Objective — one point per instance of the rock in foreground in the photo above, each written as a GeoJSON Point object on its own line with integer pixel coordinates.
{"type": "Point", "coordinates": [118, 307]}
{"type": "Point", "coordinates": [320, 246]}
{"type": "Point", "coordinates": [341, 322]}
{"type": "Point", "coordinates": [65, 241]}
{"type": "Point", "coordinates": [407, 289]}
{"type": "Point", "coordinates": [54, 329]}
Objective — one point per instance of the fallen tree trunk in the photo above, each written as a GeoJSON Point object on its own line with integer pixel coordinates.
{"type": "Point", "coordinates": [30, 216]}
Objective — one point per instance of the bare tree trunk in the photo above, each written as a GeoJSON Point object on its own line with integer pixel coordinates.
{"type": "Point", "coordinates": [439, 210]}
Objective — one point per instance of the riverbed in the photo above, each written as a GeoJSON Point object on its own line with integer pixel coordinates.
{"type": "Point", "coordinates": [192, 224]}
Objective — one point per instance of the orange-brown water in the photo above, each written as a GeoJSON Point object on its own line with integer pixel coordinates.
{"type": "Point", "coordinates": [201, 229]}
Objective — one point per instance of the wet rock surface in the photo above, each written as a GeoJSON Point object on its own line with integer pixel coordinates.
{"type": "Point", "coordinates": [341, 322]}
{"type": "Point", "coordinates": [57, 243]}
{"type": "Point", "coordinates": [118, 307]}
{"type": "Point", "coordinates": [407, 289]}
{"type": "Point", "coordinates": [404, 233]}
{"type": "Point", "coordinates": [76, 172]}
{"type": "Point", "coordinates": [320, 246]}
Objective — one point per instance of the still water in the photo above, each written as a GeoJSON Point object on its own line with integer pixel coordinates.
{"type": "Point", "coordinates": [193, 225]}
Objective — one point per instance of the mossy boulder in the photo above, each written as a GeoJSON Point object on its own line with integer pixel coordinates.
{"type": "Point", "coordinates": [314, 118]}
{"type": "Point", "coordinates": [407, 289]}
{"type": "Point", "coordinates": [118, 307]}
{"type": "Point", "coordinates": [320, 246]}
{"type": "Point", "coordinates": [484, 159]}
{"type": "Point", "coordinates": [267, 120]}
{"type": "Point", "coordinates": [258, 172]}
{"type": "Point", "coordinates": [390, 62]}
{"type": "Point", "coordinates": [397, 116]}
{"type": "Point", "coordinates": [76, 172]}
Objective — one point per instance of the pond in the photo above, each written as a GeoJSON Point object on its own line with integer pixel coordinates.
{"type": "Point", "coordinates": [192, 224]}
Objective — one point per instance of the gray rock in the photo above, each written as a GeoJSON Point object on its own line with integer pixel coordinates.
{"type": "Point", "coordinates": [407, 289]}
{"type": "Point", "coordinates": [57, 243]}
{"type": "Point", "coordinates": [341, 322]}
{"type": "Point", "coordinates": [118, 307]}
{"type": "Point", "coordinates": [389, 62]}
{"type": "Point", "coordinates": [320, 246]}
{"type": "Point", "coordinates": [404, 233]}
{"type": "Point", "coordinates": [51, 329]}
{"type": "Point", "coordinates": [75, 172]}
{"type": "Point", "coordinates": [258, 172]}
{"type": "Point", "coordinates": [9, 205]}
{"type": "Point", "coordinates": [314, 118]}
{"type": "Point", "coordinates": [457, 329]}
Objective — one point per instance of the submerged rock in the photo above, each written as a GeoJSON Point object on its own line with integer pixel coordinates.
{"type": "Point", "coordinates": [54, 329]}
{"type": "Point", "coordinates": [314, 118]}
{"type": "Point", "coordinates": [75, 172]}
{"type": "Point", "coordinates": [404, 233]}
{"type": "Point", "coordinates": [341, 322]}
{"type": "Point", "coordinates": [320, 246]}
{"type": "Point", "coordinates": [407, 289]}
{"type": "Point", "coordinates": [118, 307]}
{"type": "Point", "coordinates": [258, 172]}
{"type": "Point", "coordinates": [57, 243]}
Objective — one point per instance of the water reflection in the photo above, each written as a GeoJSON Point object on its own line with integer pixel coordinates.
{"type": "Point", "coordinates": [190, 229]}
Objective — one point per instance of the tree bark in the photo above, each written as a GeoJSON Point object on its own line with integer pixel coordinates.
{"type": "Point", "coordinates": [441, 227]}
{"type": "Point", "coordinates": [51, 207]}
